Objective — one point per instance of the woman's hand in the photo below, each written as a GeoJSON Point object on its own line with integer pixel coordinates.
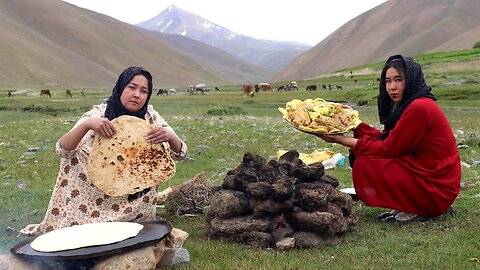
{"type": "Point", "coordinates": [340, 139]}
{"type": "Point", "coordinates": [165, 133]}
{"type": "Point", "coordinates": [103, 126]}
{"type": "Point", "coordinates": [71, 139]}
{"type": "Point", "coordinates": [331, 138]}
{"type": "Point", "coordinates": [161, 134]}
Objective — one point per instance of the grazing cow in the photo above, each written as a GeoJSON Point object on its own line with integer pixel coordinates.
{"type": "Point", "coordinates": [312, 87]}
{"type": "Point", "coordinates": [339, 87]}
{"type": "Point", "coordinates": [162, 92]}
{"type": "Point", "coordinates": [248, 90]}
{"type": "Point", "coordinates": [291, 87]}
{"type": "Point", "coordinates": [324, 86]}
{"type": "Point", "coordinates": [217, 89]}
{"type": "Point", "coordinates": [201, 90]}
{"type": "Point", "coordinates": [281, 88]}
{"type": "Point", "coordinates": [265, 87]}
{"type": "Point", "coordinates": [329, 87]}
{"type": "Point", "coordinates": [83, 93]}
{"type": "Point", "coordinates": [9, 93]}
{"type": "Point", "coordinates": [68, 93]}
{"type": "Point", "coordinates": [45, 92]}
{"type": "Point", "coordinates": [172, 91]}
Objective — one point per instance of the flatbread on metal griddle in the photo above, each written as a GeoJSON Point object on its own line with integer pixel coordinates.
{"type": "Point", "coordinates": [85, 235]}
{"type": "Point", "coordinates": [127, 163]}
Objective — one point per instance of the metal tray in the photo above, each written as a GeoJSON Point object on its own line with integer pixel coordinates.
{"type": "Point", "coordinates": [152, 231]}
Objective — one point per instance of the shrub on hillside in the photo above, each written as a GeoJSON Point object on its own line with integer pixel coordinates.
{"type": "Point", "coordinates": [477, 45]}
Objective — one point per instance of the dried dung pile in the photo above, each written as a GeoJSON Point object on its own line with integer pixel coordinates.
{"type": "Point", "coordinates": [190, 197]}
{"type": "Point", "coordinates": [279, 204]}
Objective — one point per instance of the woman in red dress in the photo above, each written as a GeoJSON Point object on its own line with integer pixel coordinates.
{"type": "Point", "coordinates": [413, 165]}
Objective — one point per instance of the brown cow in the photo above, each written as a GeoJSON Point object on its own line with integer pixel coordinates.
{"type": "Point", "coordinates": [248, 90]}
{"type": "Point", "coordinates": [45, 93]}
{"type": "Point", "coordinates": [265, 87]}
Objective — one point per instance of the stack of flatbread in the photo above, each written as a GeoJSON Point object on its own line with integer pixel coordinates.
{"type": "Point", "coordinates": [127, 163]}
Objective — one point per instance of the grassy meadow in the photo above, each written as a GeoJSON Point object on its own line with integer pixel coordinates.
{"type": "Point", "coordinates": [219, 127]}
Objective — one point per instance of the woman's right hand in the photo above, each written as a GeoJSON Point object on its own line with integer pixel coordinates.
{"type": "Point", "coordinates": [103, 126]}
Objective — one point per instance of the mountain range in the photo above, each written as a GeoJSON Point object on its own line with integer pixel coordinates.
{"type": "Point", "coordinates": [50, 43]}
{"type": "Point", "coordinates": [272, 55]}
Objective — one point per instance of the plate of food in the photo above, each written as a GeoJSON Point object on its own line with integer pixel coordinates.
{"type": "Point", "coordinates": [317, 116]}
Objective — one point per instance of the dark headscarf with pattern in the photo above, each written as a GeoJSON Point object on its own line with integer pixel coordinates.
{"type": "Point", "coordinates": [114, 105]}
{"type": "Point", "coordinates": [415, 87]}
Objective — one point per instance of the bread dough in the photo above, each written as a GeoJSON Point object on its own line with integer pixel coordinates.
{"type": "Point", "coordinates": [85, 235]}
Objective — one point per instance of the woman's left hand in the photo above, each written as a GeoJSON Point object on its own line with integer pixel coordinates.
{"type": "Point", "coordinates": [161, 134]}
{"type": "Point", "coordinates": [331, 138]}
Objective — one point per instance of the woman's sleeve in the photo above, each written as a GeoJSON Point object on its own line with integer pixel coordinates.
{"type": "Point", "coordinates": [408, 132]}
{"type": "Point", "coordinates": [365, 129]}
{"type": "Point", "coordinates": [64, 153]}
{"type": "Point", "coordinates": [157, 120]}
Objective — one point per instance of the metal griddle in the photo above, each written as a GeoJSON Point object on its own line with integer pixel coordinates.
{"type": "Point", "coordinates": [152, 232]}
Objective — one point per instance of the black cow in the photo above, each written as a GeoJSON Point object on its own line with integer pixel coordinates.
{"type": "Point", "coordinates": [312, 87]}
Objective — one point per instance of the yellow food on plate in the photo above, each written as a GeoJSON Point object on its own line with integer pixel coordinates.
{"type": "Point", "coordinates": [320, 116]}
{"type": "Point", "coordinates": [315, 156]}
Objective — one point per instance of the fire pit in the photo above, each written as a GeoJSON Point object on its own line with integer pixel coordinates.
{"type": "Point", "coordinates": [279, 204]}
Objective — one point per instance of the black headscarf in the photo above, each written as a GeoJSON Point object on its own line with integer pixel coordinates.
{"type": "Point", "coordinates": [415, 87]}
{"type": "Point", "coordinates": [114, 105]}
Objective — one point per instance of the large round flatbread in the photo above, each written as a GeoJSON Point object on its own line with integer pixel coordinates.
{"type": "Point", "coordinates": [85, 235]}
{"type": "Point", "coordinates": [127, 163]}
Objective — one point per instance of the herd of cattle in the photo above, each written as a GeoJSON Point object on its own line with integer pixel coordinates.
{"type": "Point", "coordinates": [68, 93]}
{"type": "Point", "coordinates": [250, 90]}
{"type": "Point", "coordinates": [247, 89]}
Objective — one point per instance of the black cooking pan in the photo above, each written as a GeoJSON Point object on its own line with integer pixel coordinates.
{"type": "Point", "coordinates": [152, 232]}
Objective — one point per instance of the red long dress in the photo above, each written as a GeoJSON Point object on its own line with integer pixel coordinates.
{"type": "Point", "coordinates": [416, 169]}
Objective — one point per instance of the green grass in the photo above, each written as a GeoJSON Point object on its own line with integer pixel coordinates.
{"type": "Point", "coordinates": [231, 125]}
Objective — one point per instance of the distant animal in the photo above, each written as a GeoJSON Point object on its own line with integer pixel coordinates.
{"type": "Point", "coordinates": [339, 87]}
{"type": "Point", "coordinates": [45, 93]}
{"type": "Point", "coordinates": [355, 80]}
{"type": "Point", "coordinates": [265, 87]}
{"type": "Point", "coordinates": [9, 93]}
{"type": "Point", "coordinates": [281, 88]}
{"type": "Point", "coordinates": [201, 90]}
{"type": "Point", "coordinates": [172, 91]}
{"type": "Point", "coordinates": [83, 93]}
{"type": "Point", "coordinates": [291, 87]}
{"type": "Point", "coordinates": [162, 91]}
{"type": "Point", "coordinates": [248, 90]}
{"type": "Point", "coordinates": [217, 89]}
{"type": "Point", "coordinates": [329, 87]}
{"type": "Point", "coordinates": [312, 87]}
{"type": "Point", "coordinates": [324, 86]}
{"type": "Point", "coordinates": [68, 93]}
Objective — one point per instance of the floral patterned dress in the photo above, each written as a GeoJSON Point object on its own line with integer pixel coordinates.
{"type": "Point", "coordinates": [75, 200]}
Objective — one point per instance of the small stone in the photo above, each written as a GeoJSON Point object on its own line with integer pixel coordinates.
{"type": "Point", "coordinates": [174, 257]}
